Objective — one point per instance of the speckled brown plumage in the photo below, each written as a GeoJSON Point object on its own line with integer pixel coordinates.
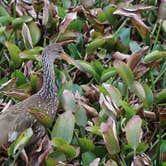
{"type": "Point", "coordinates": [17, 118]}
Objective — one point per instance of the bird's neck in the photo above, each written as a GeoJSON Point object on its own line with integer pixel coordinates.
{"type": "Point", "coordinates": [49, 88]}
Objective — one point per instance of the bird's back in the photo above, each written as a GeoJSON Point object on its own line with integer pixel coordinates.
{"type": "Point", "coordinates": [17, 118]}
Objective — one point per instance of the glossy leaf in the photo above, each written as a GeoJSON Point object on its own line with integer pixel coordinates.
{"type": "Point", "coordinates": [14, 53]}
{"type": "Point", "coordinates": [133, 131]}
{"type": "Point", "coordinates": [130, 112]}
{"type": "Point", "coordinates": [17, 146]}
{"type": "Point", "coordinates": [86, 144]}
{"type": "Point", "coordinates": [35, 32]}
{"type": "Point", "coordinates": [125, 72]}
{"type": "Point", "coordinates": [154, 55]}
{"type": "Point", "coordinates": [69, 101]}
{"type": "Point", "coordinates": [64, 126]}
{"type": "Point", "coordinates": [110, 136]}
{"type": "Point", "coordinates": [161, 96]}
{"type": "Point", "coordinates": [27, 36]}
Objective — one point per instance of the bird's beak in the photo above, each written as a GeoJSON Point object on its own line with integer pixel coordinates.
{"type": "Point", "coordinates": [67, 58]}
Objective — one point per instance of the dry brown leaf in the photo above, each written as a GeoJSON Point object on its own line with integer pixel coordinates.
{"type": "Point", "coordinates": [120, 56]}
{"type": "Point", "coordinates": [135, 58]}
{"type": "Point", "coordinates": [89, 110]}
{"type": "Point", "coordinates": [67, 20]}
{"type": "Point", "coordinates": [136, 21]}
{"type": "Point", "coordinates": [38, 155]}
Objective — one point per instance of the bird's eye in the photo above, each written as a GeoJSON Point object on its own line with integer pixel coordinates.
{"type": "Point", "coordinates": [59, 51]}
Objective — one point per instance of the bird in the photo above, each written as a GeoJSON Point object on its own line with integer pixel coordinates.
{"type": "Point", "coordinates": [17, 117]}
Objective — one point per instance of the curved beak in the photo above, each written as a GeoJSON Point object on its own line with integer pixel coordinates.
{"type": "Point", "coordinates": [68, 58]}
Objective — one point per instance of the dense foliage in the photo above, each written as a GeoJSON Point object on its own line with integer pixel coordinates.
{"type": "Point", "coordinates": [111, 86]}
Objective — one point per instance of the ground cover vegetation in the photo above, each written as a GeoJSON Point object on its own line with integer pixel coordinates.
{"type": "Point", "coordinates": [111, 86]}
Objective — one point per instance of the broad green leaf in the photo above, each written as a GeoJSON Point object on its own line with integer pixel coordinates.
{"type": "Point", "coordinates": [35, 32]}
{"type": "Point", "coordinates": [114, 93]}
{"type": "Point", "coordinates": [108, 73]}
{"type": "Point", "coordinates": [18, 22]}
{"type": "Point", "coordinates": [133, 131]}
{"type": "Point", "coordinates": [97, 43]}
{"type": "Point", "coordinates": [87, 158]}
{"type": "Point", "coordinates": [125, 72]}
{"type": "Point", "coordinates": [108, 130]}
{"type": "Point", "coordinates": [3, 11]}
{"type": "Point", "coordinates": [138, 89]}
{"type": "Point", "coordinates": [62, 146]}
{"type": "Point", "coordinates": [87, 67]}
{"type": "Point", "coordinates": [61, 12]}
{"type": "Point", "coordinates": [74, 51]}
{"type": "Point", "coordinates": [21, 79]}
{"type": "Point", "coordinates": [108, 11]}
{"type": "Point", "coordinates": [134, 46]}
{"type": "Point", "coordinates": [154, 55]}
{"type": "Point", "coordinates": [95, 130]}
{"type": "Point", "coordinates": [80, 116]}
{"type": "Point", "coordinates": [64, 126]}
{"type": "Point", "coordinates": [148, 95]}
{"type": "Point", "coordinates": [31, 54]}
{"type": "Point", "coordinates": [68, 101]}
{"type": "Point", "coordinates": [68, 150]}
{"type": "Point", "coordinates": [5, 20]}
{"type": "Point", "coordinates": [76, 25]}
{"type": "Point", "coordinates": [14, 53]}
{"type": "Point", "coordinates": [27, 37]}
{"type": "Point", "coordinates": [161, 96]}
{"type": "Point", "coordinates": [130, 112]}
{"type": "Point", "coordinates": [124, 35]}
{"type": "Point", "coordinates": [17, 146]}
{"type": "Point", "coordinates": [42, 117]}
{"type": "Point", "coordinates": [86, 144]}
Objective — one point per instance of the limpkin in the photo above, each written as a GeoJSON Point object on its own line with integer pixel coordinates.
{"type": "Point", "coordinates": [17, 118]}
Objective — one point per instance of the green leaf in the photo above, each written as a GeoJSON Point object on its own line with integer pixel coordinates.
{"type": "Point", "coordinates": [14, 53]}
{"type": "Point", "coordinates": [125, 72]}
{"type": "Point", "coordinates": [64, 147]}
{"type": "Point", "coordinates": [42, 117]}
{"type": "Point", "coordinates": [108, 73]}
{"type": "Point", "coordinates": [95, 130]}
{"type": "Point", "coordinates": [35, 32]}
{"type": "Point", "coordinates": [68, 101]}
{"type": "Point", "coordinates": [5, 20]}
{"type": "Point", "coordinates": [85, 66]}
{"type": "Point", "coordinates": [138, 89]}
{"type": "Point", "coordinates": [31, 54]}
{"type": "Point", "coordinates": [76, 25]}
{"type": "Point", "coordinates": [64, 126]}
{"type": "Point", "coordinates": [154, 55]}
{"type": "Point", "coordinates": [3, 11]}
{"type": "Point", "coordinates": [124, 35]}
{"type": "Point", "coordinates": [97, 43]}
{"type": "Point", "coordinates": [80, 116]}
{"type": "Point", "coordinates": [130, 112]}
{"type": "Point", "coordinates": [21, 79]}
{"type": "Point", "coordinates": [87, 158]}
{"type": "Point", "coordinates": [133, 131]}
{"type": "Point", "coordinates": [17, 146]}
{"type": "Point", "coordinates": [86, 144]}
{"type": "Point", "coordinates": [110, 136]}
{"type": "Point", "coordinates": [27, 37]}
{"type": "Point", "coordinates": [161, 96]}
{"type": "Point", "coordinates": [148, 95]}
{"type": "Point", "coordinates": [114, 93]}
{"type": "Point", "coordinates": [61, 12]}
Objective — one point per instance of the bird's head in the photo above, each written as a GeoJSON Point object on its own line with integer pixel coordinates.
{"type": "Point", "coordinates": [54, 51]}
